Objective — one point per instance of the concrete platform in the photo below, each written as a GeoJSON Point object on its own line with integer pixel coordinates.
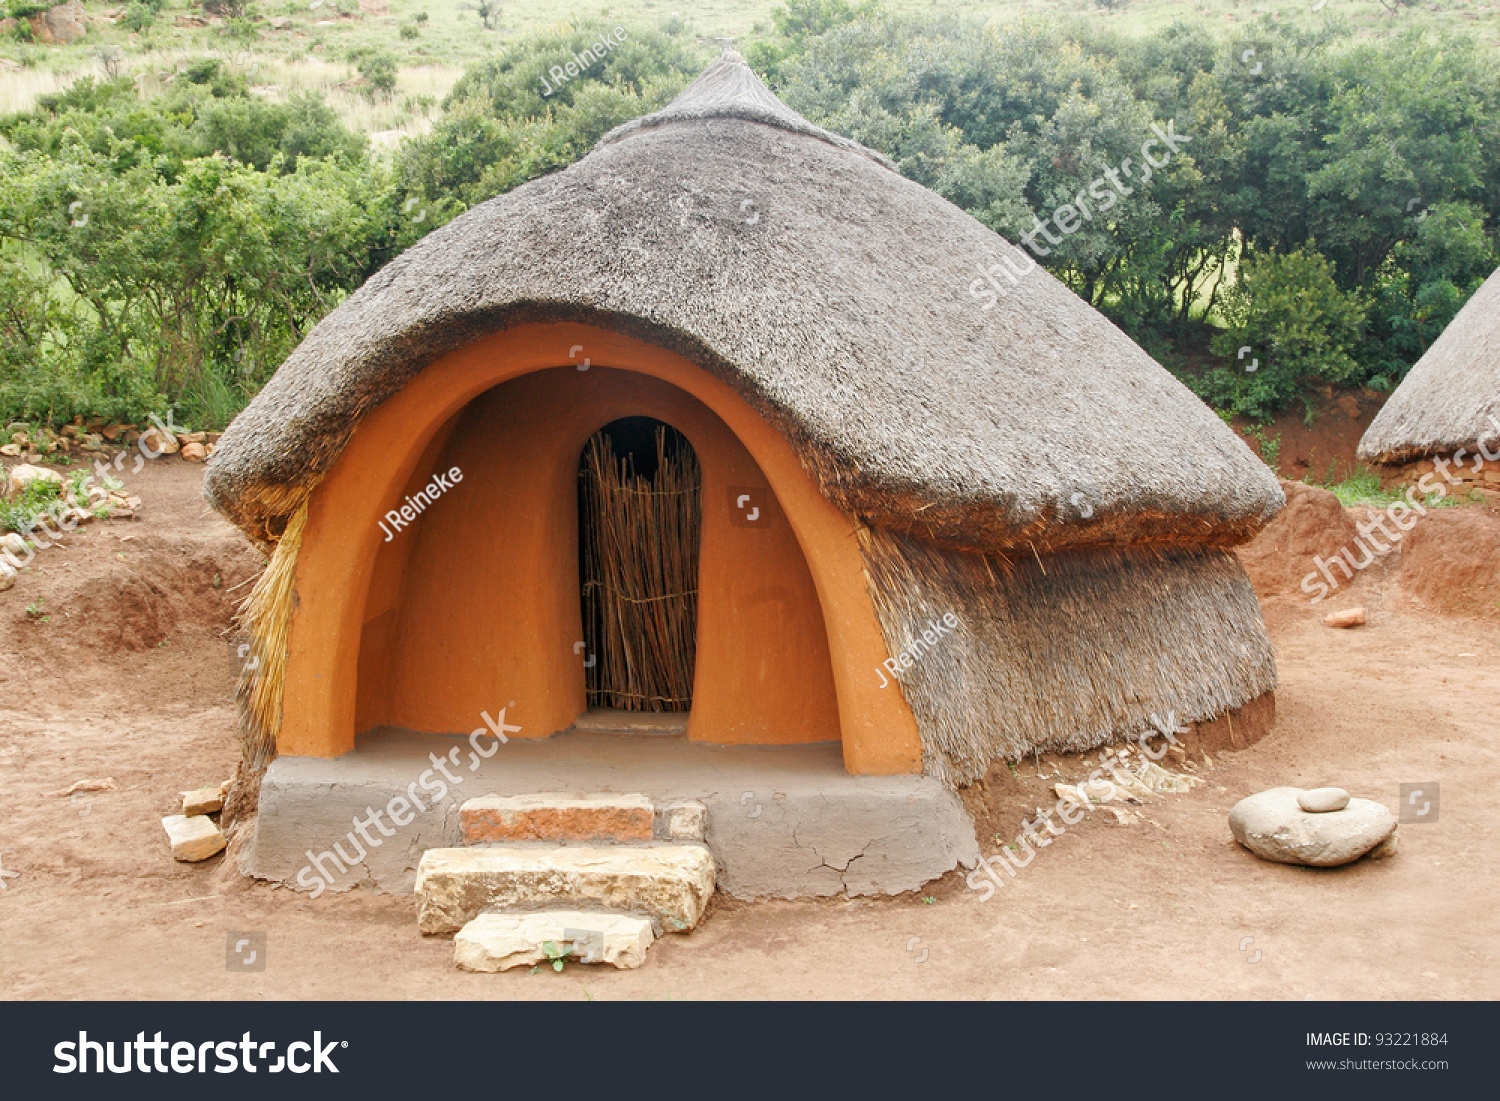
{"type": "Point", "coordinates": [783, 821]}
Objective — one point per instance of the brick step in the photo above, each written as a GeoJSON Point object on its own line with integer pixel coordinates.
{"type": "Point", "coordinates": [500, 941]}
{"type": "Point", "coordinates": [669, 883]}
{"type": "Point", "coordinates": [560, 816]}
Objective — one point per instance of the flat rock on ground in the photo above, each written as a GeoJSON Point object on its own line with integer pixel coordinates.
{"type": "Point", "coordinates": [1273, 826]}
{"type": "Point", "coordinates": [193, 839]}
{"type": "Point", "coordinates": [498, 942]}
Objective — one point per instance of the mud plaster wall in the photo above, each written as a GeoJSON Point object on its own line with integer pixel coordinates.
{"type": "Point", "coordinates": [350, 588]}
{"type": "Point", "coordinates": [477, 604]}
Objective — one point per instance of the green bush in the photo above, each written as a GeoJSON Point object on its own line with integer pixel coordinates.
{"type": "Point", "coordinates": [379, 70]}
{"type": "Point", "coordinates": [138, 17]}
{"type": "Point", "coordinates": [1296, 322]}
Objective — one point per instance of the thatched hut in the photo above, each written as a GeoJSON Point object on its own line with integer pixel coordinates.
{"type": "Point", "coordinates": [936, 533]}
{"type": "Point", "coordinates": [1444, 418]}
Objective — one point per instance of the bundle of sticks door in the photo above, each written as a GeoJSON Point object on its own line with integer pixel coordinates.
{"type": "Point", "coordinates": [640, 547]}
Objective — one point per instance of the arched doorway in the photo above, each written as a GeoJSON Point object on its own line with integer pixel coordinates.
{"type": "Point", "coordinates": [479, 604]}
{"type": "Point", "coordinates": [362, 654]}
{"type": "Point", "coordinates": [640, 522]}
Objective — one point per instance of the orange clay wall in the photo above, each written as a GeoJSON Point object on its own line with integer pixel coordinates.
{"type": "Point", "coordinates": [475, 603]}
{"type": "Point", "coordinates": [488, 595]}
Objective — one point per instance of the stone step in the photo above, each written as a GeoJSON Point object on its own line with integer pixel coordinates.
{"type": "Point", "coordinates": [500, 941]}
{"type": "Point", "coordinates": [669, 883]}
{"type": "Point", "coordinates": [560, 816]}
{"type": "Point", "coordinates": [549, 816]}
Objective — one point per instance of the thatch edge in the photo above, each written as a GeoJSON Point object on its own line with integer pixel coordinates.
{"type": "Point", "coordinates": [266, 615]}
{"type": "Point", "coordinates": [1142, 632]}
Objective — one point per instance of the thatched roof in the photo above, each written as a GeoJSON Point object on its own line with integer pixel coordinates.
{"type": "Point", "coordinates": [1092, 647]}
{"type": "Point", "coordinates": [826, 289]}
{"type": "Point", "coordinates": [1451, 398]}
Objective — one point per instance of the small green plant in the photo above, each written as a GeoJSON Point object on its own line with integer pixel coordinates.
{"type": "Point", "coordinates": [37, 611]}
{"type": "Point", "coordinates": [420, 17]}
{"type": "Point", "coordinates": [22, 513]}
{"type": "Point", "coordinates": [555, 956]}
{"type": "Point", "coordinates": [241, 29]}
{"type": "Point", "coordinates": [929, 900]}
{"type": "Point", "coordinates": [1361, 488]}
{"type": "Point", "coordinates": [1270, 446]}
{"type": "Point", "coordinates": [410, 31]}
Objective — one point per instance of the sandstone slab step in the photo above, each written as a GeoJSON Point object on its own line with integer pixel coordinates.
{"type": "Point", "coordinates": [498, 942]}
{"type": "Point", "coordinates": [668, 883]}
{"type": "Point", "coordinates": [549, 816]}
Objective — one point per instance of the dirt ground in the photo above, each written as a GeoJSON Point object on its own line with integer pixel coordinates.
{"type": "Point", "coordinates": [125, 669]}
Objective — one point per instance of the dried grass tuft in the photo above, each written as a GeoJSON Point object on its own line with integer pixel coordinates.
{"type": "Point", "coordinates": [266, 614]}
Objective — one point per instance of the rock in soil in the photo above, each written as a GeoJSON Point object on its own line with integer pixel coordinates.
{"type": "Point", "coordinates": [498, 942]}
{"type": "Point", "coordinates": [193, 839]}
{"type": "Point", "coordinates": [1353, 617]}
{"type": "Point", "coordinates": [1273, 825]}
{"type": "Point", "coordinates": [202, 801]}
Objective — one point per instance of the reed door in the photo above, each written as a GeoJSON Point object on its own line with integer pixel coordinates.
{"type": "Point", "coordinates": [640, 521]}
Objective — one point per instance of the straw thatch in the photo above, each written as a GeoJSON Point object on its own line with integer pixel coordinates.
{"type": "Point", "coordinates": [830, 292]}
{"type": "Point", "coordinates": [266, 615]}
{"type": "Point", "coordinates": [1026, 468]}
{"type": "Point", "coordinates": [1451, 398]}
{"type": "Point", "coordinates": [1064, 653]}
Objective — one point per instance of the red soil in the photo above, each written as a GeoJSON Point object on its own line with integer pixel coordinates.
{"type": "Point", "coordinates": [131, 676]}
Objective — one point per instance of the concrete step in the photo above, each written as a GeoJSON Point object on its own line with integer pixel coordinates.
{"type": "Point", "coordinates": [500, 941]}
{"type": "Point", "coordinates": [668, 882]}
{"type": "Point", "coordinates": [605, 720]}
{"type": "Point", "coordinates": [560, 816]}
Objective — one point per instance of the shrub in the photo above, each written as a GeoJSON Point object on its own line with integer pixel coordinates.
{"type": "Point", "coordinates": [379, 71]}
{"type": "Point", "coordinates": [1296, 322]}
{"type": "Point", "coordinates": [138, 17]}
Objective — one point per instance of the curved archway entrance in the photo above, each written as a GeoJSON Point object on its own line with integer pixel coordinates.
{"type": "Point", "coordinates": [351, 601]}
{"type": "Point", "coordinates": [476, 606]}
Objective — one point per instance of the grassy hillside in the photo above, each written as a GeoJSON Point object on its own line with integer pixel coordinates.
{"type": "Point", "coordinates": [313, 47]}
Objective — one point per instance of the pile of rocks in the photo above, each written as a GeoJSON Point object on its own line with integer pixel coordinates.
{"type": "Point", "coordinates": [195, 834]}
{"type": "Point", "coordinates": [94, 435]}
{"type": "Point", "coordinates": [1321, 828]}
